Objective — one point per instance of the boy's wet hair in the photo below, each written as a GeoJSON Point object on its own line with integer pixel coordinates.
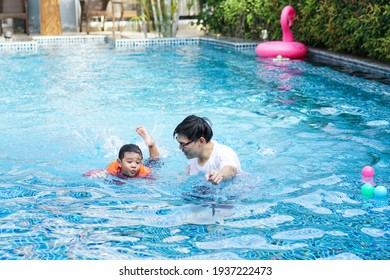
{"type": "Point", "coordinates": [129, 148]}
{"type": "Point", "coordinates": [194, 127]}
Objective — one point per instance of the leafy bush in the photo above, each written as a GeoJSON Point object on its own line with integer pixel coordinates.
{"type": "Point", "coordinates": [359, 27]}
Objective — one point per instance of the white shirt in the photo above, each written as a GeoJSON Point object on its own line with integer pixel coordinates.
{"type": "Point", "coordinates": [220, 156]}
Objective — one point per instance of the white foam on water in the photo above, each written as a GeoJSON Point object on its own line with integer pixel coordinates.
{"type": "Point", "coordinates": [378, 123]}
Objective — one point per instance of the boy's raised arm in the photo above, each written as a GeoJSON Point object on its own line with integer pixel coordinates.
{"type": "Point", "coordinates": [153, 151]}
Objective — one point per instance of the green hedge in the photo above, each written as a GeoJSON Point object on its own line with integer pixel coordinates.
{"type": "Point", "coordinates": [359, 27]}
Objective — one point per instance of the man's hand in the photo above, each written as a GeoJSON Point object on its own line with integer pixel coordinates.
{"type": "Point", "coordinates": [214, 176]}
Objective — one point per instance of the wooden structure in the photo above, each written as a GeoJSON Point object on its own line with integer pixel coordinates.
{"type": "Point", "coordinates": [50, 17]}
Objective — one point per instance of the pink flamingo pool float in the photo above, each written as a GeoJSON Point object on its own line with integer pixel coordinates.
{"type": "Point", "coordinates": [286, 48]}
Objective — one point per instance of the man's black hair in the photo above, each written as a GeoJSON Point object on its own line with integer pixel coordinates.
{"type": "Point", "coordinates": [194, 127]}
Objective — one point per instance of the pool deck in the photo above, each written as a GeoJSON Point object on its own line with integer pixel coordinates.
{"type": "Point", "coordinates": [188, 29]}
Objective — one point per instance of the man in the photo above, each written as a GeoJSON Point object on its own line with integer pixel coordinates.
{"type": "Point", "coordinates": [219, 162]}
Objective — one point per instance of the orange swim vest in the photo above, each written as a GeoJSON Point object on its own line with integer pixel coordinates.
{"type": "Point", "coordinates": [114, 169]}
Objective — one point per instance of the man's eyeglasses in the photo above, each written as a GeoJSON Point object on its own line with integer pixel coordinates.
{"type": "Point", "coordinates": [183, 145]}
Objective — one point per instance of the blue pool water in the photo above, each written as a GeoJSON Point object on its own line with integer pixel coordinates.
{"type": "Point", "coordinates": [302, 132]}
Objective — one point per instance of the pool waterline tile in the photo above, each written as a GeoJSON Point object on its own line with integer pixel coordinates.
{"type": "Point", "coordinates": [19, 46]}
{"type": "Point", "coordinates": [126, 43]}
{"type": "Point", "coordinates": [349, 61]}
{"type": "Point", "coordinates": [68, 40]}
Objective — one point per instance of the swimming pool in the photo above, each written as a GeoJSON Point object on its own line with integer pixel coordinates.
{"type": "Point", "coordinates": [302, 132]}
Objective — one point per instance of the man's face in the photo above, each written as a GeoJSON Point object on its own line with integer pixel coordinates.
{"type": "Point", "coordinates": [190, 148]}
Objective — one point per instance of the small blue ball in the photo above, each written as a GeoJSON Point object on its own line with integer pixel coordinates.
{"type": "Point", "coordinates": [380, 191]}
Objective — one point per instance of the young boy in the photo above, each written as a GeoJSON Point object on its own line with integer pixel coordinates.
{"type": "Point", "coordinates": [129, 162]}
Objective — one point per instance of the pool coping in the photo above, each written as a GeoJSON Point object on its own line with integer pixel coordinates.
{"type": "Point", "coordinates": [35, 42]}
{"type": "Point", "coordinates": [363, 64]}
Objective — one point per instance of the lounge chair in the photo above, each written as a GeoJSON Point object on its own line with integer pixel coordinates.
{"type": "Point", "coordinates": [128, 10]}
{"type": "Point", "coordinates": [93, 8]}
{"type": "Point", "coordinates": [14, 9]}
